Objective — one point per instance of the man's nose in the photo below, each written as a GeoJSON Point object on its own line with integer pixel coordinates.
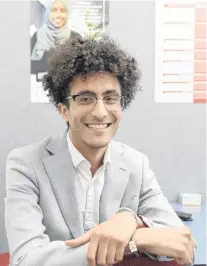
{"type": "Point", "coordinates": [99, 109]}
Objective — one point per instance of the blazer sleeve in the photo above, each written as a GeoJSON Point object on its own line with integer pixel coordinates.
{"type": "Point", "coordinates": [154, 207]}
{"type": "Point", "coordinates": [28, 243]}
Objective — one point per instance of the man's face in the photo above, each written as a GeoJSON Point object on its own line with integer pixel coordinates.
{"type": "Point", "coordinates": [58, 14]}
{"type": "Point", "coordinates": [94, 125]}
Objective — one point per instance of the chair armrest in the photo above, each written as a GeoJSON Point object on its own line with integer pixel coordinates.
{"type": "Point", "coordinates": [4, 259]}
{"type": "Point", "coordinates": [130, 260]}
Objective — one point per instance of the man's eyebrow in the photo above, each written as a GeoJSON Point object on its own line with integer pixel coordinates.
{"type": "Point", "coordinates": [86, 92]}
{"type": "Point", "coordinates": [110, 92]}
{"type": "Point", "coordinates": [82, 92]}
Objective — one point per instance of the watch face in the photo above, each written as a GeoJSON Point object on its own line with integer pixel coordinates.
{"type": "Point", "coordinates": [132, 246]}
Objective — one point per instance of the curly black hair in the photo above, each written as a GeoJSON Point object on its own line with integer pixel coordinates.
{"type": "Point", "coordinates": [83, 56]}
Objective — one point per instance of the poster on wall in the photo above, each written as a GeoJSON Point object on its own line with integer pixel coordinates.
{"type": "Point", "coordinates": [181, 51]}
{"type": "Point", "coordinates": [54, 21]}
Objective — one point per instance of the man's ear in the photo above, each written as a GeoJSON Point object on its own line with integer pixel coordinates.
{"type": "Point", "coordinates": [63, 110]}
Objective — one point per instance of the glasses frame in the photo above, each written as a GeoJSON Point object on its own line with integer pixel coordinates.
{"type": "Point", "coordinates": [97, 98]}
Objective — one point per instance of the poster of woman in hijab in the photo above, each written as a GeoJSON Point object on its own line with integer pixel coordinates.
{"type": "Point", "coordinates": [52, 23]}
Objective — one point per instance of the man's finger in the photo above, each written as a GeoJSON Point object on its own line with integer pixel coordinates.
{"type": "Point", "coordinates": [112, 249]}
{"type": "Point", "coordinates": [119, 252]}
{"type": "Point", "coordinates": [185, 259]}
{"type": "Point", "coordinates": [92, 251]}
{"type": "Point", "coordinates": [80, 240]}
{"type": "Point", "coordinates": [102, 252]}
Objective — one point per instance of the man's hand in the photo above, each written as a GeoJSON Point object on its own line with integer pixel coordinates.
{"type": "Point", "coordinates": [108, 240]}
{"type": "Point", "coordinates": [167, 241]}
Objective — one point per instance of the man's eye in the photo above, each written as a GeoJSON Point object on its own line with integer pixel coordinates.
{"type": "Point", "coordinates": [85, 99]}
{"type": "Point", "coordinates": [111, 99]}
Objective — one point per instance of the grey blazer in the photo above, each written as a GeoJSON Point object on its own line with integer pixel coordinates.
{"type": "Point", "coordinates": [41, 209]}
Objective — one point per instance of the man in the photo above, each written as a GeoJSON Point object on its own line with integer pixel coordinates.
{"type": "Point", "coordinates": [83, 199]}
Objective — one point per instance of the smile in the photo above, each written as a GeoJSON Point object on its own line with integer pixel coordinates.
{"type": "Point", "coordinates": [98, 126]}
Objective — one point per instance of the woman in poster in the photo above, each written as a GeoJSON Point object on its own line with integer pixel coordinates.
{"type": "Point", "coordinates": [54, 31]}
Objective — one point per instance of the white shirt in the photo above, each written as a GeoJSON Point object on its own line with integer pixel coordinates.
{"type": "Point", "coordinates": [88, 188]}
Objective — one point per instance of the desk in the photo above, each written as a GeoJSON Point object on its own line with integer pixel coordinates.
{"type": "Point", "coordinates": [198, 229]}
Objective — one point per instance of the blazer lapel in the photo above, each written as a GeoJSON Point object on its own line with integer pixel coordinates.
{"type": "Point", "coordinates": [62, 174]}
{"type": "Point", "coordinates": [115, 183]}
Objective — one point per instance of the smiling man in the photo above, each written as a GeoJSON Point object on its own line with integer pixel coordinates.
{"type": "Point", "coordinates": [82, 198]}
{"type": "Point", "coordinates": [94, 114]}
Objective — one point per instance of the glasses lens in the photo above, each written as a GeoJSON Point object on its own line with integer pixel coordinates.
{"type": "Point", "coordinates": [114, 102]}
{"type": "Point", "coordinates": [85, 99]}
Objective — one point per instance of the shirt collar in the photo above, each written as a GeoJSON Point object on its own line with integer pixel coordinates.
{"type": "Point", "coordinates": [77, 157]}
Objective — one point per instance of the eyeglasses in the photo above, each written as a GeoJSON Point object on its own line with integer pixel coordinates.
{"type": "Point", "coordinates": [111, 102]}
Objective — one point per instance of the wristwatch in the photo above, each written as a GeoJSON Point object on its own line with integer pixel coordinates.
{"type": "Point", "coordinates": [132, 244]}
{"type": "Point", "coordinates": [133, 248]}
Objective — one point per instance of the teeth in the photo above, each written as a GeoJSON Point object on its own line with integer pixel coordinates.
{"type": "Point", "coordinates": [97, 126]}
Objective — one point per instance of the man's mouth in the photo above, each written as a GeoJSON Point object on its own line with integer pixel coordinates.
{"type": "Point", "coordinates": [98, 126]}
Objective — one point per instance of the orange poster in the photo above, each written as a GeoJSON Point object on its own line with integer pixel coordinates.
{"type": "Point", "coordinates": [181, 52]}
